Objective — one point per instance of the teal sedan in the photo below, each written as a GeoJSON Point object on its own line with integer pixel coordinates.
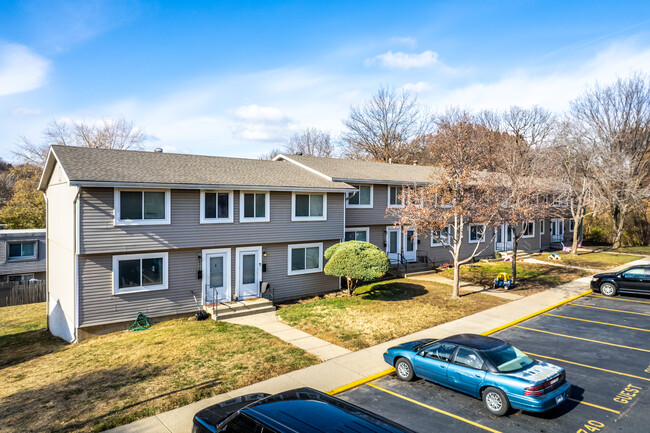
{"type": "Point", "coordinates": [484, 367]}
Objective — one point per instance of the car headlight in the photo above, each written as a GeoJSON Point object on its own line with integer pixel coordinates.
{"type": "Point", "coordinates": [595, 279]}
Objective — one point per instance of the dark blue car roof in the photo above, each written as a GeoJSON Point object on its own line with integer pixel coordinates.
{"type": "Point", "coordinates": [475, 341]}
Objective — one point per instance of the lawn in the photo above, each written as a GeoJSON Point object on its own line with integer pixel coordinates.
{"type": "Point", "coordinates": [117, 378]}
{"type": "Point", "coordinates": [381, 311]}
{"type": "Point", "coordinates": [531, 277]}
{"type": "Point", "coordinates": [589, 259]}
{"type": "Point", "coordinates": [635, 250]}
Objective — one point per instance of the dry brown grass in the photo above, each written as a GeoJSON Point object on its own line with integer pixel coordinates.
{"type": "Point", "coordinates": [589, 259]}
{"type": "Point", "coordinates": [118, 378]}
{"type": "Point", "coordinates": [381, 312]}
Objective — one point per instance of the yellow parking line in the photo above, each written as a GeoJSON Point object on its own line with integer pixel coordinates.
{"type": "Point", "coordinates": [435, 409]}
{"type": "Point", "coordinates": [584, 339]}
{"type": "Point", "coordinates": [590, 366]}
{"type": "Point", "coordinates": [356, 383]}
{"type": "Point", "coordinates": [609, 309]}
{"type": "Point", "coordinates": [594, 405]}
{"type": "Point", "coordinates": [619, 299]}
{"type": "Point", "coordinates": [600, 323]}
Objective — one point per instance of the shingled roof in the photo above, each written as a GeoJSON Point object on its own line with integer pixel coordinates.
{"type": "Point", "coordinates": [348, 170]}
{"type": "Point", "coordinates": [97, 167]}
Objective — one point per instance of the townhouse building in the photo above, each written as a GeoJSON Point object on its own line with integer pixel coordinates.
{"type": "Point", "coordinates": [22, 255]}
{"type": "Point", "coordinates": [133, 231]}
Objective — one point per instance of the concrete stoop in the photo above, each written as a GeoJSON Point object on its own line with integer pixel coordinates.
{"type": "Point", "coordinates": [230, 310]}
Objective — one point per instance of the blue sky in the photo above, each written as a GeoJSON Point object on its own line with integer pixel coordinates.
{"type": "Point", "coordinates": [238, 78]}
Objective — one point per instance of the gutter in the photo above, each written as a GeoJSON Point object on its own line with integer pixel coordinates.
{"type": "Point", "coordinates": [47, 266]}
{"type": "Point", "coordinates": [100, 184]}
{"type": "Point", "coordinates": [76, 264]}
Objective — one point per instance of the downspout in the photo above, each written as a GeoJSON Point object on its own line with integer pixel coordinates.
{"type": "Point", "coordinates": [76, 264]}
{"type": "Point", "coordinates": [47, 264]}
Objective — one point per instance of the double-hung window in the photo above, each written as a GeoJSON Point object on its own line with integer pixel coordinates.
{"type": "Point", "coordinates": [254, 207]}
{"type": "Point", "coordinates": [541, 227]}
{"type": "Point", "coordinates": [529, 229]}
{"type": "Point", "coordinates": [139, 273]}
{"type": "Point", "coordinates": [395, 196]}
{"type": "Point", "coordinates": [20, 278]}
{"type": "Point", "coordinates": [357, 234]}
{"type": "Point", "coordinates": [216, 207]}
{"type": "Point", "coordinates": [21, 250]}
{"type": "Point", "coordinates": [362, 198]}
{"type": "Point", "coordinates": [308, 207]}
{"type": "Point", "coordinates": [476, 233]}
{"type": "Point", "coordinates": [142, 207]}
{"type": "Point", "coordinates": [305, 258]}
{"type": "Point", "coordinates": [441, 237]}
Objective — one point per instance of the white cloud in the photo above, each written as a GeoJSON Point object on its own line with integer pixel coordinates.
{"type": "Point", "coordinates": [419, 87]}
{"type": "Point", "coordinates": [21, 70]}
{"type": "Point", "coordinates": [403, 40]}
{"type": "Point", "coordinates": [23, 111]}
{"type": "Point", "coordinates": [400, 60]}
{"type": "Point", "coordinates": [255, 113]}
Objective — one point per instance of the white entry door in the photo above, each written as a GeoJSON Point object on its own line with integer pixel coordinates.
{"type": "Point", "coordinates": [393, 244]}
{"type": "Point", "coordinates": [410, 245]}
{"type": "Point", "coordinates": [504, 238]}
{"type": "Point", "coordinates": [216, 276]}
{"type": "Point", "coordinates": [249, 272]}
{"type": "Point", "coordinates": [557, 230]}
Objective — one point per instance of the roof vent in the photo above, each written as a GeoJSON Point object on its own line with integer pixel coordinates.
{"type": "Point", "coordinates": [158, 150]}
{"type": "Point", "coordinates": [299, 153]}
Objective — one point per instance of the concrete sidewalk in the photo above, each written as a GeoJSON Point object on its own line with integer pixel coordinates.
{"type": "Point", "coordinates": [355, 366]}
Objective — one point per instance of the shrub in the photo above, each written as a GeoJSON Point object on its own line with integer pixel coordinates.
{"type": "Point", "coordinates": [356, 261]}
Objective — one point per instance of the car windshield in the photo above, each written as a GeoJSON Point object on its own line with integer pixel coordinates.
{"type": "Point", "coordinates": [508, 358]}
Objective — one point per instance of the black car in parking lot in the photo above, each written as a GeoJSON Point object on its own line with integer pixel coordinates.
{"type": "Point", "coordinates": [635, 279]}
{"type": "Point", "coordinates": [303, 410]}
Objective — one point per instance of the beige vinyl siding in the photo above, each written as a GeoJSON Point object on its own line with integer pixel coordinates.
{"type": "Point", "coordinates": [98, 235]}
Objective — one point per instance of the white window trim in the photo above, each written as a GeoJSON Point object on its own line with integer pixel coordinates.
{"type": "Point", "coordinates": [141, 222]}
{"type": "Point", "coordinates": [305, 271]}
{"type": "Point", "coordinates": [530, 235]}
{"type": "Point", "coordinates": [231, 208]}
{"type": "Point", "coordinates": [17, 259]}
{"type": "Point", "coordinates": [361, 206]}
{"type": "Point", "coordinates": [139, 289]}
{"type": "Point", "coordinates": [388, 197]}
{"type": "Point", "coordinates": [439, 244]}
{"type": "Point", "coordinates": [204, 271]}
{"type": "Point", "coordinates": [359, 229]}
{"type": "Point", "coordinates": [571, 225]}
{"type": "Point", "coordinates": [267, 208]}
{"type": "Point", "coordinates": [469, 233]}
{"type": "Point", "coordinates": [542, 227]}
{"type": "Point", "coordinates": [308, 218]}
{"type": "Point", "coordinates": [22, 277]}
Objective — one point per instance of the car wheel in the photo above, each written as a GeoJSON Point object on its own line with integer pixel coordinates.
{"type": "Point", "coordinates": [608, 289]}
{"type": "Point", "coordinates": [496, 401]}
{"type": "Point", "coordinates": [404, 369]}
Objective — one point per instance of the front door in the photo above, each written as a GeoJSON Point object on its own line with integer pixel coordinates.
{"type": "Point", "coordinates": [249, 270]}
{"type": "Point", "coordinates": [557, 230]}
{"type": "Point", "coordinates": [504, 238]}
{"type": "Point", "coordinates": [216, 276]}
{"type": "Point", "coordinates": [410, 245]}
{"type": "Point", "coordinates": [393, 244]}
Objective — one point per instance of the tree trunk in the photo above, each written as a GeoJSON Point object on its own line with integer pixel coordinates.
{"type": "Point", "coordinates": [577, 223]}
{"type": "Point", "coordinates": [515, 243]}
{"type": "Point", "coordinates": [349, 281]}
{"type": "Point", "coordinates": [618, 230]}
{"type": "Point", "coordinates": [456, 288]}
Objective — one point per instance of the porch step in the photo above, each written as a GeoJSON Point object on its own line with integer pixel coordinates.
{"type": "Point", "coordinates": [229, 310]}
{"type": "Point", "coordinates": [411, 268]}
{"type": "Point", "coordinates": [520, 254]}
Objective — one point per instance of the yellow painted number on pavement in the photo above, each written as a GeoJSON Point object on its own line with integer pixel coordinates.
{"type": "Point", "coordinates": [591, 426]}
{"type": "Point", "coordinates": [628, 393]}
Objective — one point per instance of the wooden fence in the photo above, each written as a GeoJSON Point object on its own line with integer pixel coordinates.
{"type": "Point", "coordinates": [19, 293]}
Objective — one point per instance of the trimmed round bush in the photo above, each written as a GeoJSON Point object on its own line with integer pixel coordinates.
{"type": "Point", "coordinates": [356, 261]}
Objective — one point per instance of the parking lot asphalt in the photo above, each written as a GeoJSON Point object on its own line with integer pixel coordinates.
{"type": "Point", "coordinates": [604, 345]}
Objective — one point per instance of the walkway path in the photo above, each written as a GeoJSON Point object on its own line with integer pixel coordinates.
{"type": "Point", "coordinates": [580, 268]}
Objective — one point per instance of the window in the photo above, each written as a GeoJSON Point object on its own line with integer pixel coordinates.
{"type": "Point", "coordinates": [468, 358]}
{"type": "Point", "coordinates": [142, 207]}
{"type": "Point", "coordinates": [476, 233]}
{"type": "Point", "coordinates": [308, 207]}
{"type": "Point", "coordinates": [529, 230]}
{"type": "Point", "coordinates": [21, 278]}
{"type": "Point", "coordinates": [254, 207]}
{"type": "Point", "coordinates": [22, 250]}
{"type": "Point", "coordinates": [572, 224]}
{"type": "Point", "coordinates": [394, 196]}
{"type": "Point", "coordinates": [634, 273]}
{"type": "Point", "coordinates": [305, 258]}
{"type": "Point", "coordinates": [357, 234]}
{"type": "Point", "coordinates": [216, 207]}
{"type": "Point", "coordinates": [441, 237]}
{"type": "Point", "coordinates": [139, 273]}
{"type": "Point", "coordinates": [361, 198]}
{"type": "Point", "coordinates": [241, 423]}
{"type": "Point", "coordinates": [440, 351]}
{"type": "Point", "coordinates": [542, 226]}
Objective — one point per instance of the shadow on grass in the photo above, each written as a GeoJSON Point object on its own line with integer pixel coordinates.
{"type": "Point", "coordinates": [21, 347]}
{"type": "Point", "coordinates": [72, 404]}
{"type": "Point", "coordinates": [392, 291]}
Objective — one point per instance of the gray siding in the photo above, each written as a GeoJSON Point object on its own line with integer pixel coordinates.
{"type": "Point", "coordinates": [22, 266]}
{"type": "Point", "coordinates": [99, 235]}
{"type": "Point", "coordinates": [99, 306]}
{"type": "Point", "coordinates": [373, 216]}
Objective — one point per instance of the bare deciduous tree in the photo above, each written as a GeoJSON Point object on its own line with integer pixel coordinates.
{"type": "Point", "coordinates": [311, 141]}
{"type": "Point", "coordinates": [109, 134]}
{"type": "Point", "coordinates": [391, 126]}
{"type": "Point", "coordinates": [616, 118]}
